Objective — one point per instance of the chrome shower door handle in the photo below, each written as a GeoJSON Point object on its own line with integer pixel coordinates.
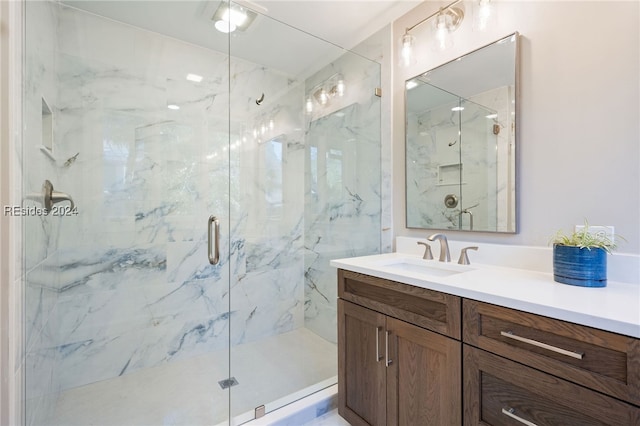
{"type": "Point", "coordinates": [213, 249]}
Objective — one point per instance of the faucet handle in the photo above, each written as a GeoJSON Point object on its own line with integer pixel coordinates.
{"type": "Point", "coordinates": [464, 259]}
{"type": "Point", "coordinates": [427, 251]}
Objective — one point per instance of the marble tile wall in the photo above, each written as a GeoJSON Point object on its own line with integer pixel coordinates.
{"type": "Point", "coordinates": [131, 284]}
{"type": "Point", "coordinates": [343, 185]}
{"type": "Point", "coordinates": [40, 233]}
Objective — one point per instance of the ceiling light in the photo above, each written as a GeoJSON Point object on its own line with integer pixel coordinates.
{"type": "Point", "coordinates": [225, 26]}
{"type": "Point", "coordinates": [231, 17]}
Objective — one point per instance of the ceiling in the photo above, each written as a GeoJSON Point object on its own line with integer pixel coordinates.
{"type": "Point", "coordinates": [273, 40]}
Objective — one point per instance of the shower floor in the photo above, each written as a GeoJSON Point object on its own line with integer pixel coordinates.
{"type": "Point", "coordinates": [273, 372]}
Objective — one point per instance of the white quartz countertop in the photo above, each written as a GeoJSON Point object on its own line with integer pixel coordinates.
{"type": "Point", "coordinates": [614, 308]}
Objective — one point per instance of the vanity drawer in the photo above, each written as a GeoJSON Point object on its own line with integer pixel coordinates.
{"type": "Point", "coordinates": [600, 360]}
{"type": "Point", "coordinates": [425, 308]}
{"type": "Point", "coordinates": [502, 392]}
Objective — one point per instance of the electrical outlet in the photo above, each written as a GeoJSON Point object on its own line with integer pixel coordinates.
{"type": "Point", "coordinates": [606, 231]}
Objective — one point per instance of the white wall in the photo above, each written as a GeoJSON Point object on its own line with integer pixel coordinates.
{"type": "Point", "coordinates": [579, 144]}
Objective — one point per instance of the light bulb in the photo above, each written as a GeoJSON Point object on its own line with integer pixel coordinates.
{"type": "Point", "coordinates": [406, 50]}
{"type": "Point", "coordinates": [323, 97]}
{"type": "Point", "coordinates": [237, 17]}
{"type": "Point", "coordinates": [443, 38]}
{"type": "Point", "coordinates": [225, 26]}
{"type": "Point", "coordinates": [340, 87]}
{"type": "Point", "coordinates": [483, 15]}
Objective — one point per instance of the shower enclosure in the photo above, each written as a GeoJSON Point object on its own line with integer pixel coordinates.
{"type": "Point", "coordinates": [153, 122]}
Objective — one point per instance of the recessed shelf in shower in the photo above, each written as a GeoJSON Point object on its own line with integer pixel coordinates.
{"type": "Point", "coordinates": [449, 174]}
{"type": "Point", "coordinates": [46, 142]}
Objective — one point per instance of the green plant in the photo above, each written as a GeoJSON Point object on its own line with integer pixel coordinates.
{"type": "Point", "coordinates": [584, 239]}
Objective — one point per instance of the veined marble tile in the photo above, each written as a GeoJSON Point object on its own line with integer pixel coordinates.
{"type": "Point", "coordinates": [137, 291]}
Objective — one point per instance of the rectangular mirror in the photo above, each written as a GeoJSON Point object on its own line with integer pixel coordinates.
{"type": "Point", "coordinates": [460, 127]}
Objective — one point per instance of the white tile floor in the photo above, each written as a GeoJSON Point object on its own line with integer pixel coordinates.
{"type": "Point", "coordinates": [332, 418]}
{"type": "Point", "coordinates": [186, 392]}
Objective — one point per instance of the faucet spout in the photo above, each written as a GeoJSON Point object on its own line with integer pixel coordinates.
{"type": "Point", "coordinates": [445, 256]}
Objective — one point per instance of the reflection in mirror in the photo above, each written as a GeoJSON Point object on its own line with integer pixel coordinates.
{"type": "Point", "coordinates": [460, 142]}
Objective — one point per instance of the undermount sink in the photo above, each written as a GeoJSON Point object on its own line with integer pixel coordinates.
{"type": "Point", "coordinates": [427, 267]}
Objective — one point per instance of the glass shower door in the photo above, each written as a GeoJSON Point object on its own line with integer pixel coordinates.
{"type": "Point", "coordinates": [126, 320]}
{"type": "Point", "coordinates": [305, 188]}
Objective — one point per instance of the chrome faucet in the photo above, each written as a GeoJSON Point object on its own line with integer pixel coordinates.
{"type": "Point", "coordinates": [444, 247]}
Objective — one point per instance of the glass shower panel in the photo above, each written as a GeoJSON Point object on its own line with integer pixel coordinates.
{"type": "Point", "coordinates": [126, 320]}
{"type": "Point", "coordinates": [305, 174]}
{"type": "Point", "coordinates": [479, 153]}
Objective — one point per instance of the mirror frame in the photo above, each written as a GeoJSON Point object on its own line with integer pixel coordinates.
{"type": "Point", "coordinates": [515, 215]}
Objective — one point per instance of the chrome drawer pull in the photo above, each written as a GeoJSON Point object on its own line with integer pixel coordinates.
{"type": "Point", "coordinates": [509, 334]}
{"type": "Point", "coordinates": [510, 412]}
{"type": "Point", "coordinates": [386, 349]}
{"type": "Point", "coordinates": [378, 357]}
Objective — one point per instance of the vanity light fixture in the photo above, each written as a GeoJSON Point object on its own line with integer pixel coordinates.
{"type": "Point", "coordinates": [323, 93]}
{"type": "Point", "coordinates": [447, 20]}
{"type": "Point", "coordinates": [230, 17]}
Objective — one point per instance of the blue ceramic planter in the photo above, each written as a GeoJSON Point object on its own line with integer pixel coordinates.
{"type": "Point", "coordinates": [580, 266]}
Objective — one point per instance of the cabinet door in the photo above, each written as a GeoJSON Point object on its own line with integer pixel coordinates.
{"type": "Point", "coordinates": [423, 378]}
{"type": "Point", "coordinates": [502, 392]}
{"type": "Point", "coordinates": [361, 366]}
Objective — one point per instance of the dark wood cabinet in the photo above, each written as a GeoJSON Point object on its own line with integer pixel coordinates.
{"type": "Point", "coordinates": [412, 356]}
{"type": "Point", "coordinates": [499, 391]}
{"type": "Point", "coordinates": [392, 372]}
{"type": "Point", "coordinates": [604, 361]}
{"type": "Point", "coordinates": [521, 368]}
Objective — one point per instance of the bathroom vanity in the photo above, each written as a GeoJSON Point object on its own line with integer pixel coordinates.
{"type": "Point", "coordinates": [418, 348]}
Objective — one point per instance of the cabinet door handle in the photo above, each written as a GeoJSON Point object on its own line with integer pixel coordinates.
{"type": "Point", "coordinates": [386, 348]}
{"type": "Point", "coordinates": [378, 357]}
{"type": "Point", "coordinates": [510, 335]}
{"type": "Point", "coordinates": [511, 413]}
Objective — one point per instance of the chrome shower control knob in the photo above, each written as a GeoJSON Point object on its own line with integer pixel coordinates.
{"type": "Point", "coordinates": [450, 201]}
